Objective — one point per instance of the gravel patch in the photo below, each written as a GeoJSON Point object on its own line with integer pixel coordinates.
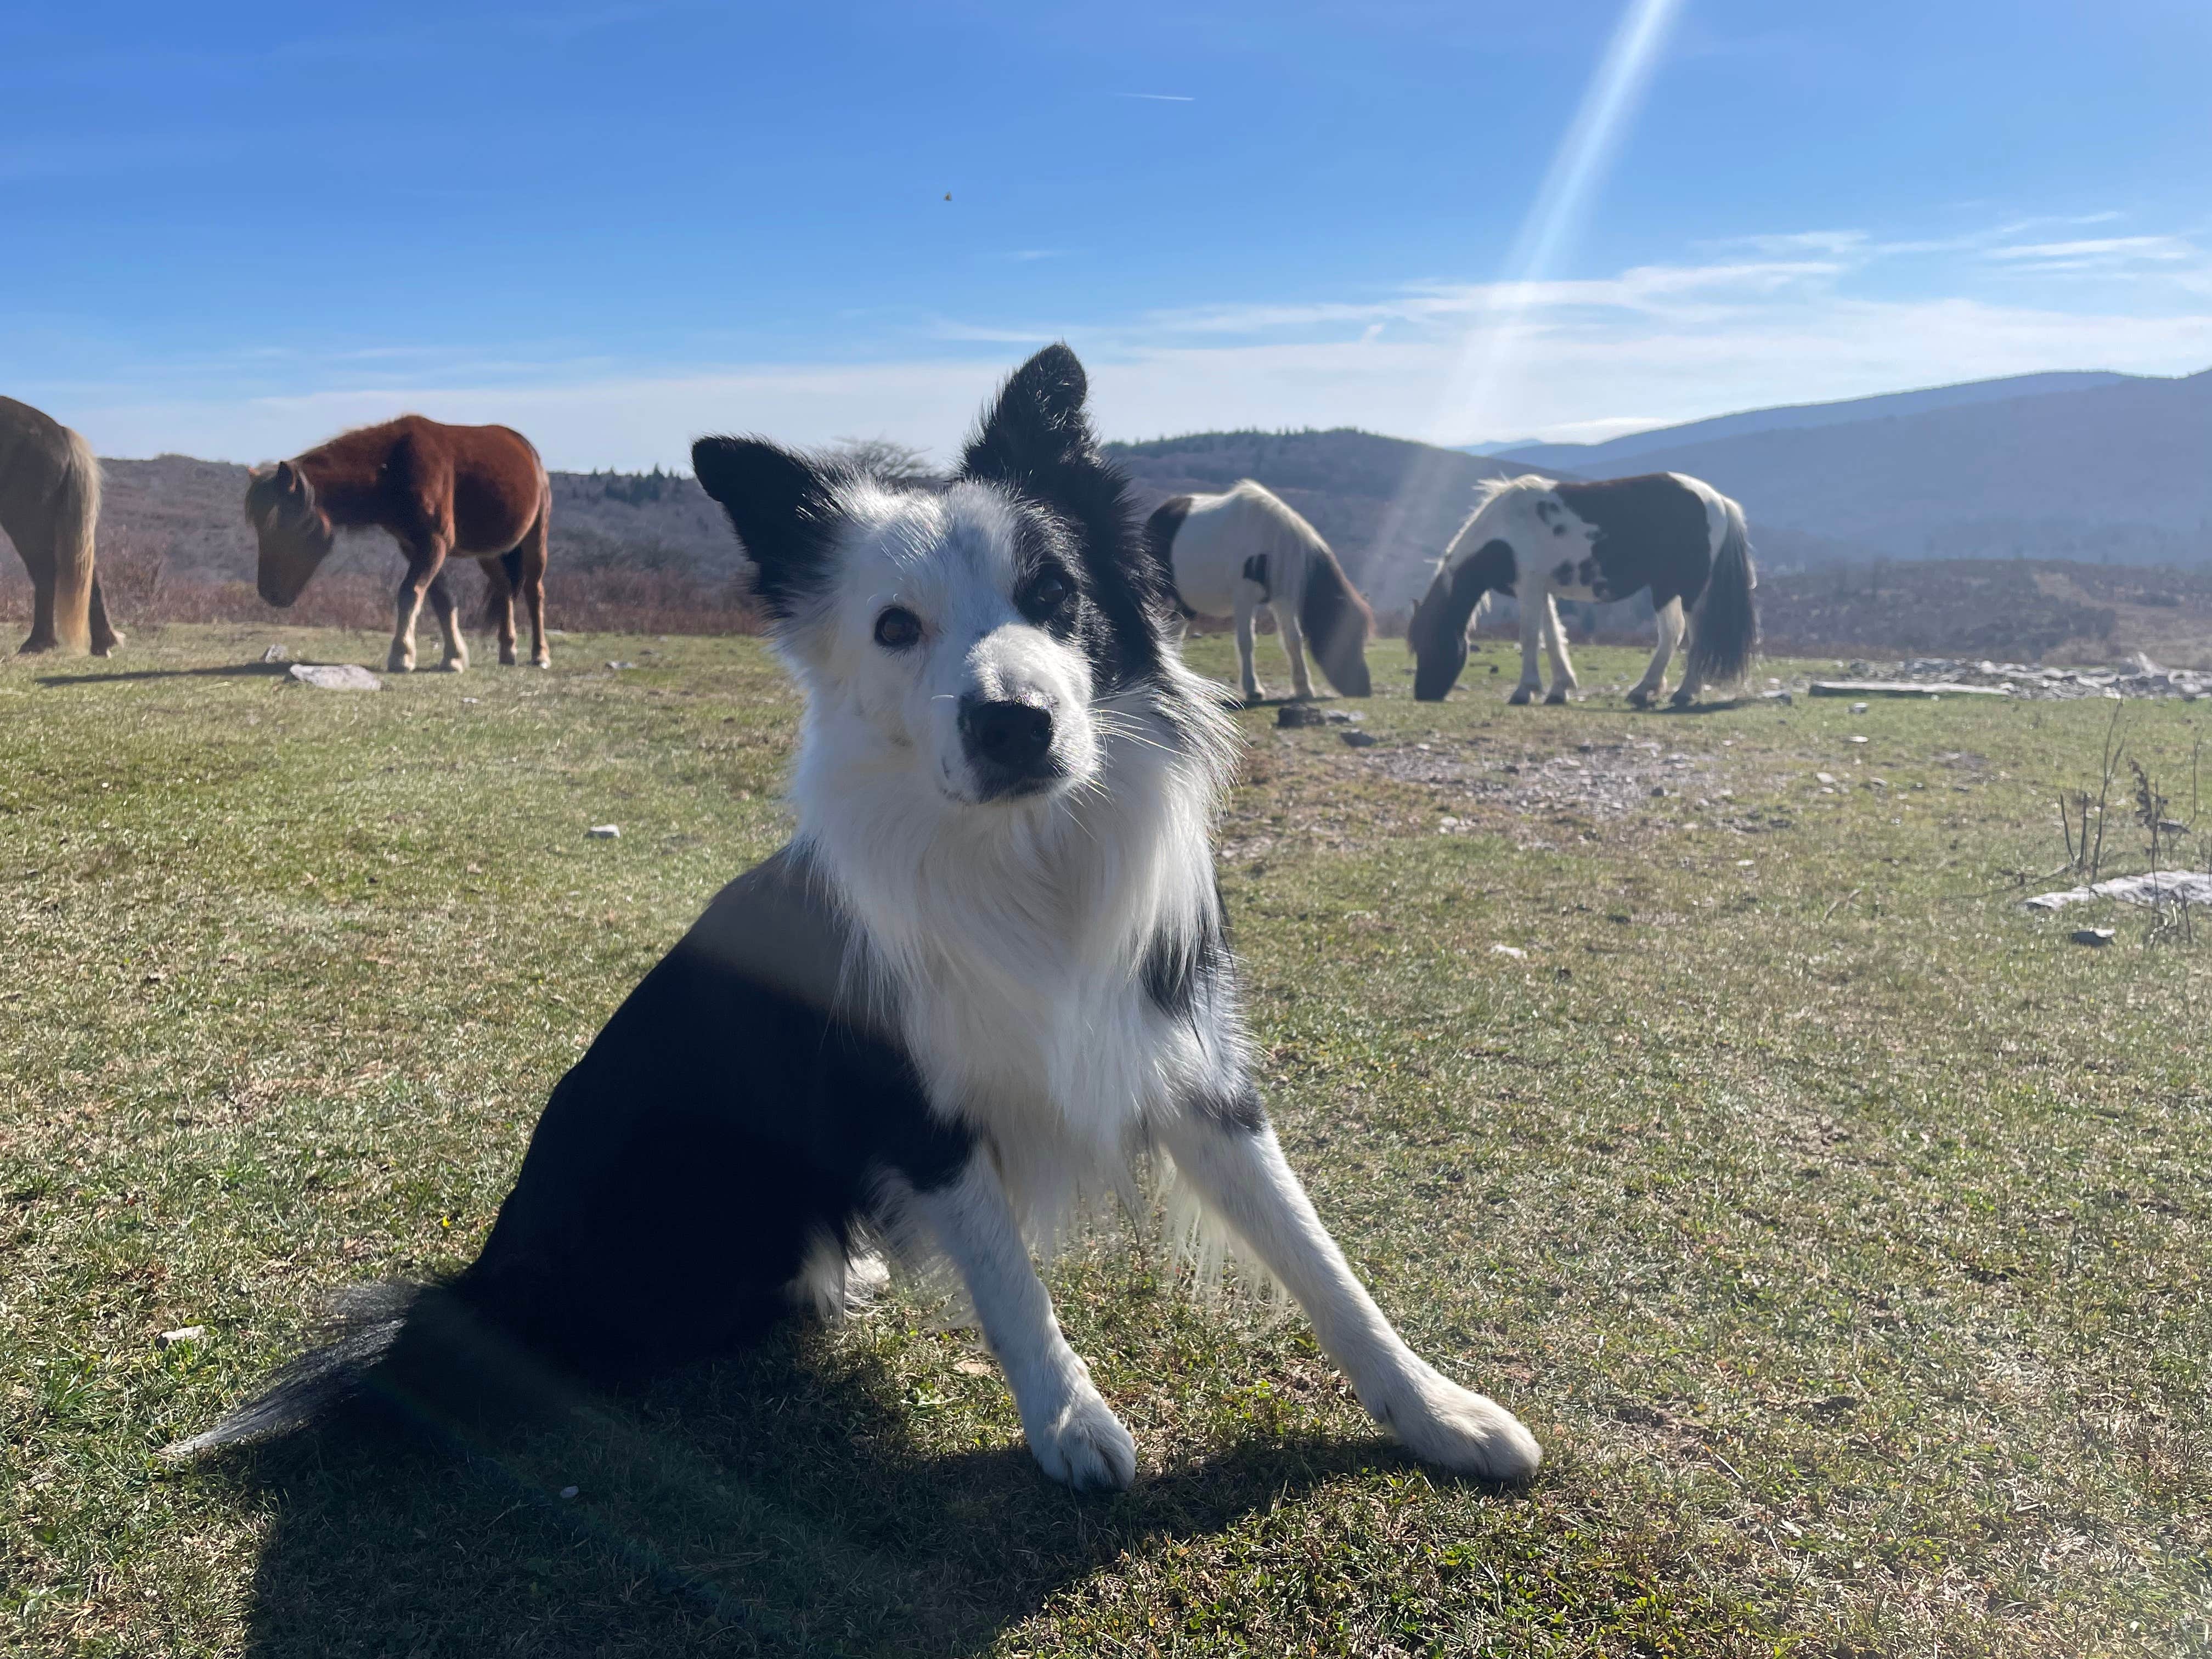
{"type": "Point", "coordinates": [2139, 678]}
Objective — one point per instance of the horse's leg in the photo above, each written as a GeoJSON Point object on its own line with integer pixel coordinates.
{"type": "Point", "coordinates": [1686, 693]}
{"type": "Point", "coordinates": [422, 567]}
{"type": "Point", "coordinates": [532, 577]}
{"type": "Point", "coordinates": [457, 648]}
{"type": "Point", "coordinates": [500, 606]}
{"type": "Point", "coordinates": [1555, 645]}
{"type": "Point", "coordinates": [1534, 603]}
{"type": "Point", "coordinates": [1247, 603]}
{"type": "Point", "coordinates": [1294, 648]}
{"type": "Point", "coordinates": [34, 543]}
{"type": "Point", "coordinates": [1667, 618]}
{"type": "Point", "coordinates": [104, 639]}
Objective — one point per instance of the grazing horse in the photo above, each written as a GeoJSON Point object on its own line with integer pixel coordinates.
{"type": "Point", "coordinates": [1230, 554]}
{"type": "Point", "coordinates": [471, 492]}
{"type": "Point", "coordinates": [1539, 540]}
{"type": "Point", "coordinates": [50, 508]}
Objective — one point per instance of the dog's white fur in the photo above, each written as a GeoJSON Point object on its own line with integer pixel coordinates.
{"type": "Point", "coordinates": [1006, 939]}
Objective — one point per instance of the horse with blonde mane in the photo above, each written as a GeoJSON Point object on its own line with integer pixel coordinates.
{"type": "Point", "coordinates": [49, 509]}
{"type": "Point", "coordinates": [1228, 554]}
{"type": "Point", "coordinates": [466, 492]}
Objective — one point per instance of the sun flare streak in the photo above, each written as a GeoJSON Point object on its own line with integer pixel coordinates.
{"type": "Point", "coordinates": [1491, 345]}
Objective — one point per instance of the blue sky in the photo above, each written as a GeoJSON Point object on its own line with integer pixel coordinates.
{"type": "Point", "coordinates": [230, 230]}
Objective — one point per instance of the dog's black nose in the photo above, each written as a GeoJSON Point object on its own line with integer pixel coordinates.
{"type": "Point", "coordinates": [1010, 743]}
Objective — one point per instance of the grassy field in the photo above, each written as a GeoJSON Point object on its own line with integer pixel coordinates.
{"type": "Point", "coordinates": [1842, 1229]}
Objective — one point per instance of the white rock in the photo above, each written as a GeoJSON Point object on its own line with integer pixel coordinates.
{"type": "Point", "coordinates": [336, 676]}
{"type": "Point", "coordinates": [1513, 950]}
{"type": "Point", "coordinates": [604, 832]}
{"type": "Point", "coordinates": [187, 1333]}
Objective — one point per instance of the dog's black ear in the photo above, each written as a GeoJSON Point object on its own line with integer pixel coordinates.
{"type": "Point", "coordinates": [1038, 426]}
{"type": "Point", "coordinates": [779, 505]}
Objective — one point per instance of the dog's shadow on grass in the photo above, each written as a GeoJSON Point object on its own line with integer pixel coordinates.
{"type": "Point", "coordinates": [780, 1504]}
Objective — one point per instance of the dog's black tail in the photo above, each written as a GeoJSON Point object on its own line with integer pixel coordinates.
{"type": "Point", "coordinates": [418, 1354]}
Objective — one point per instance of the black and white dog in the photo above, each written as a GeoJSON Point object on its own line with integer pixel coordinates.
{"type": "Point", "coordinates": [986, 977]}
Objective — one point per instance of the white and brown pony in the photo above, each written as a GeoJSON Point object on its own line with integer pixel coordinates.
{"type": "Point", "coordinates": [1539, 541]}
{"type": "Point", "coordinates": [1230, 554]}
{"type": "Point", "coordinates": [462, 492]}
{"type": "Point", "coordinates": [49, 509]}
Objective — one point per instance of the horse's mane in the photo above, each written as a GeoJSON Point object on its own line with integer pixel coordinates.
{"type": "Point", "coordinates": [1280, 514]}
{"type": "Point", "coordinates": [1487, 495]}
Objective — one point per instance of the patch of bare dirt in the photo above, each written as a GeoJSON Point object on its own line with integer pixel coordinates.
{"type": "Point", "coordinates": [1592, 784]}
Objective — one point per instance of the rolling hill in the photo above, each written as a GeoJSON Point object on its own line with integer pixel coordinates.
{"type": "Point", "coordinates": [1600, 459]}
{"type": "Point", "coordinates": [2119, 472]}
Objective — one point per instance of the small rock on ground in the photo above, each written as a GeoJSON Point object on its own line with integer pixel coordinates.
{"type": "Point", "coordinates": [336, 676]}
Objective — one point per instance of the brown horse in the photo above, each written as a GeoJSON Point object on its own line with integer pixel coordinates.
{"type": "Point", "coordinates": [470, 492]}
{"type": "Point", "coordinates": [50, 508]}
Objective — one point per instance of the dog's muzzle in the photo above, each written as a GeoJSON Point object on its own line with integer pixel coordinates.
{"type": "Point", "coordinates": [1009, 745]}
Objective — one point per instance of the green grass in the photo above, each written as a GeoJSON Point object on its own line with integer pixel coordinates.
{"type": "Point", "coordinates": [1840, 1228]}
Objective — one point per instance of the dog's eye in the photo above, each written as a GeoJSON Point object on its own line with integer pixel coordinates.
{"type": "Point", "coordinates": [897, 627]}
{"type": "Point", "coordinates": [1047, 594]}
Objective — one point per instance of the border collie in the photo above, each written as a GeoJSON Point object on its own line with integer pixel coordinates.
{"type": "Point", "coordinates": [987, 977]}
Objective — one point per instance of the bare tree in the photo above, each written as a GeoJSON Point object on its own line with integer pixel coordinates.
{"type": "Point", "coordinates": [883, 457]}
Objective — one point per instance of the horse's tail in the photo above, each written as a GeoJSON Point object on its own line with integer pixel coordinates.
{"type": "Point", "coordinates": [1160, 531]}
{"type": "Point", "coordinates": [1337, 621]}
{"type": "Point", "coordinates": [76, 524]}
{"type": "Point", "coordinates": [496, 599]}
{"type": "Point", "coordinates": [1726, 631]}
{"type": "Point", "coordinates": [419, 1353]}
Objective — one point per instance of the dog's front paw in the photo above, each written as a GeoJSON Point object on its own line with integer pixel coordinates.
{"type": "Point", "coordinates": [1443, 1423]}
{"type": "Point", "coordinates": [1085, 1447]}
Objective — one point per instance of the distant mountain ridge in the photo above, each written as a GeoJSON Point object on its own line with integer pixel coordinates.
{"type": "Point", "coordinates": [2091, 469]}
{"type": "Point", "coordinates": [1598, 460]}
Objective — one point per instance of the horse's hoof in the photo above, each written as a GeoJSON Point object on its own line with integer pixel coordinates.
{"type": "Point", "coordinates": [35, 646]}
{"type": "Point", "coordinates": [507, 659]}
{"type": "Point", "coordinates": [541, 662]}
{"type": "Point", "coordinates": [1557, 698]}
{"type": "Point", "coordinates": [454, 666]}
{"type": "Point", "coordinates": [1639, 699]}
{"type": "Point", "coordinates": [1521, 694]}
{"type": "Point", "coordinates": [1681, 700]}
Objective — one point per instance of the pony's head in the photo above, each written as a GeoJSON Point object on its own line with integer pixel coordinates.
{"type": "Point", "coordinates": [963, 646]}
{"type": "Point", "coordinates": [1337, 623]}
{"type": "Point", "coordinates": [1436, 636]}
{"type": "Point", "coordinates": [293, 531]}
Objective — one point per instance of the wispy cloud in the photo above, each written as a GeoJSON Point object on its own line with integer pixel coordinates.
{"type": "Point", "coordinates": [1158, 97]}
{"type": "Point", "coordinates": [2106, 253]}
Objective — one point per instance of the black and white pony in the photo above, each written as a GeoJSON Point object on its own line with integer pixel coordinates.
{"type": "Point", "coordinates": [1230, 554]}
{"type": "Point", "coordinates": [1540, 541]}
{"type": "Point", "coordinates": [989, 976]}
